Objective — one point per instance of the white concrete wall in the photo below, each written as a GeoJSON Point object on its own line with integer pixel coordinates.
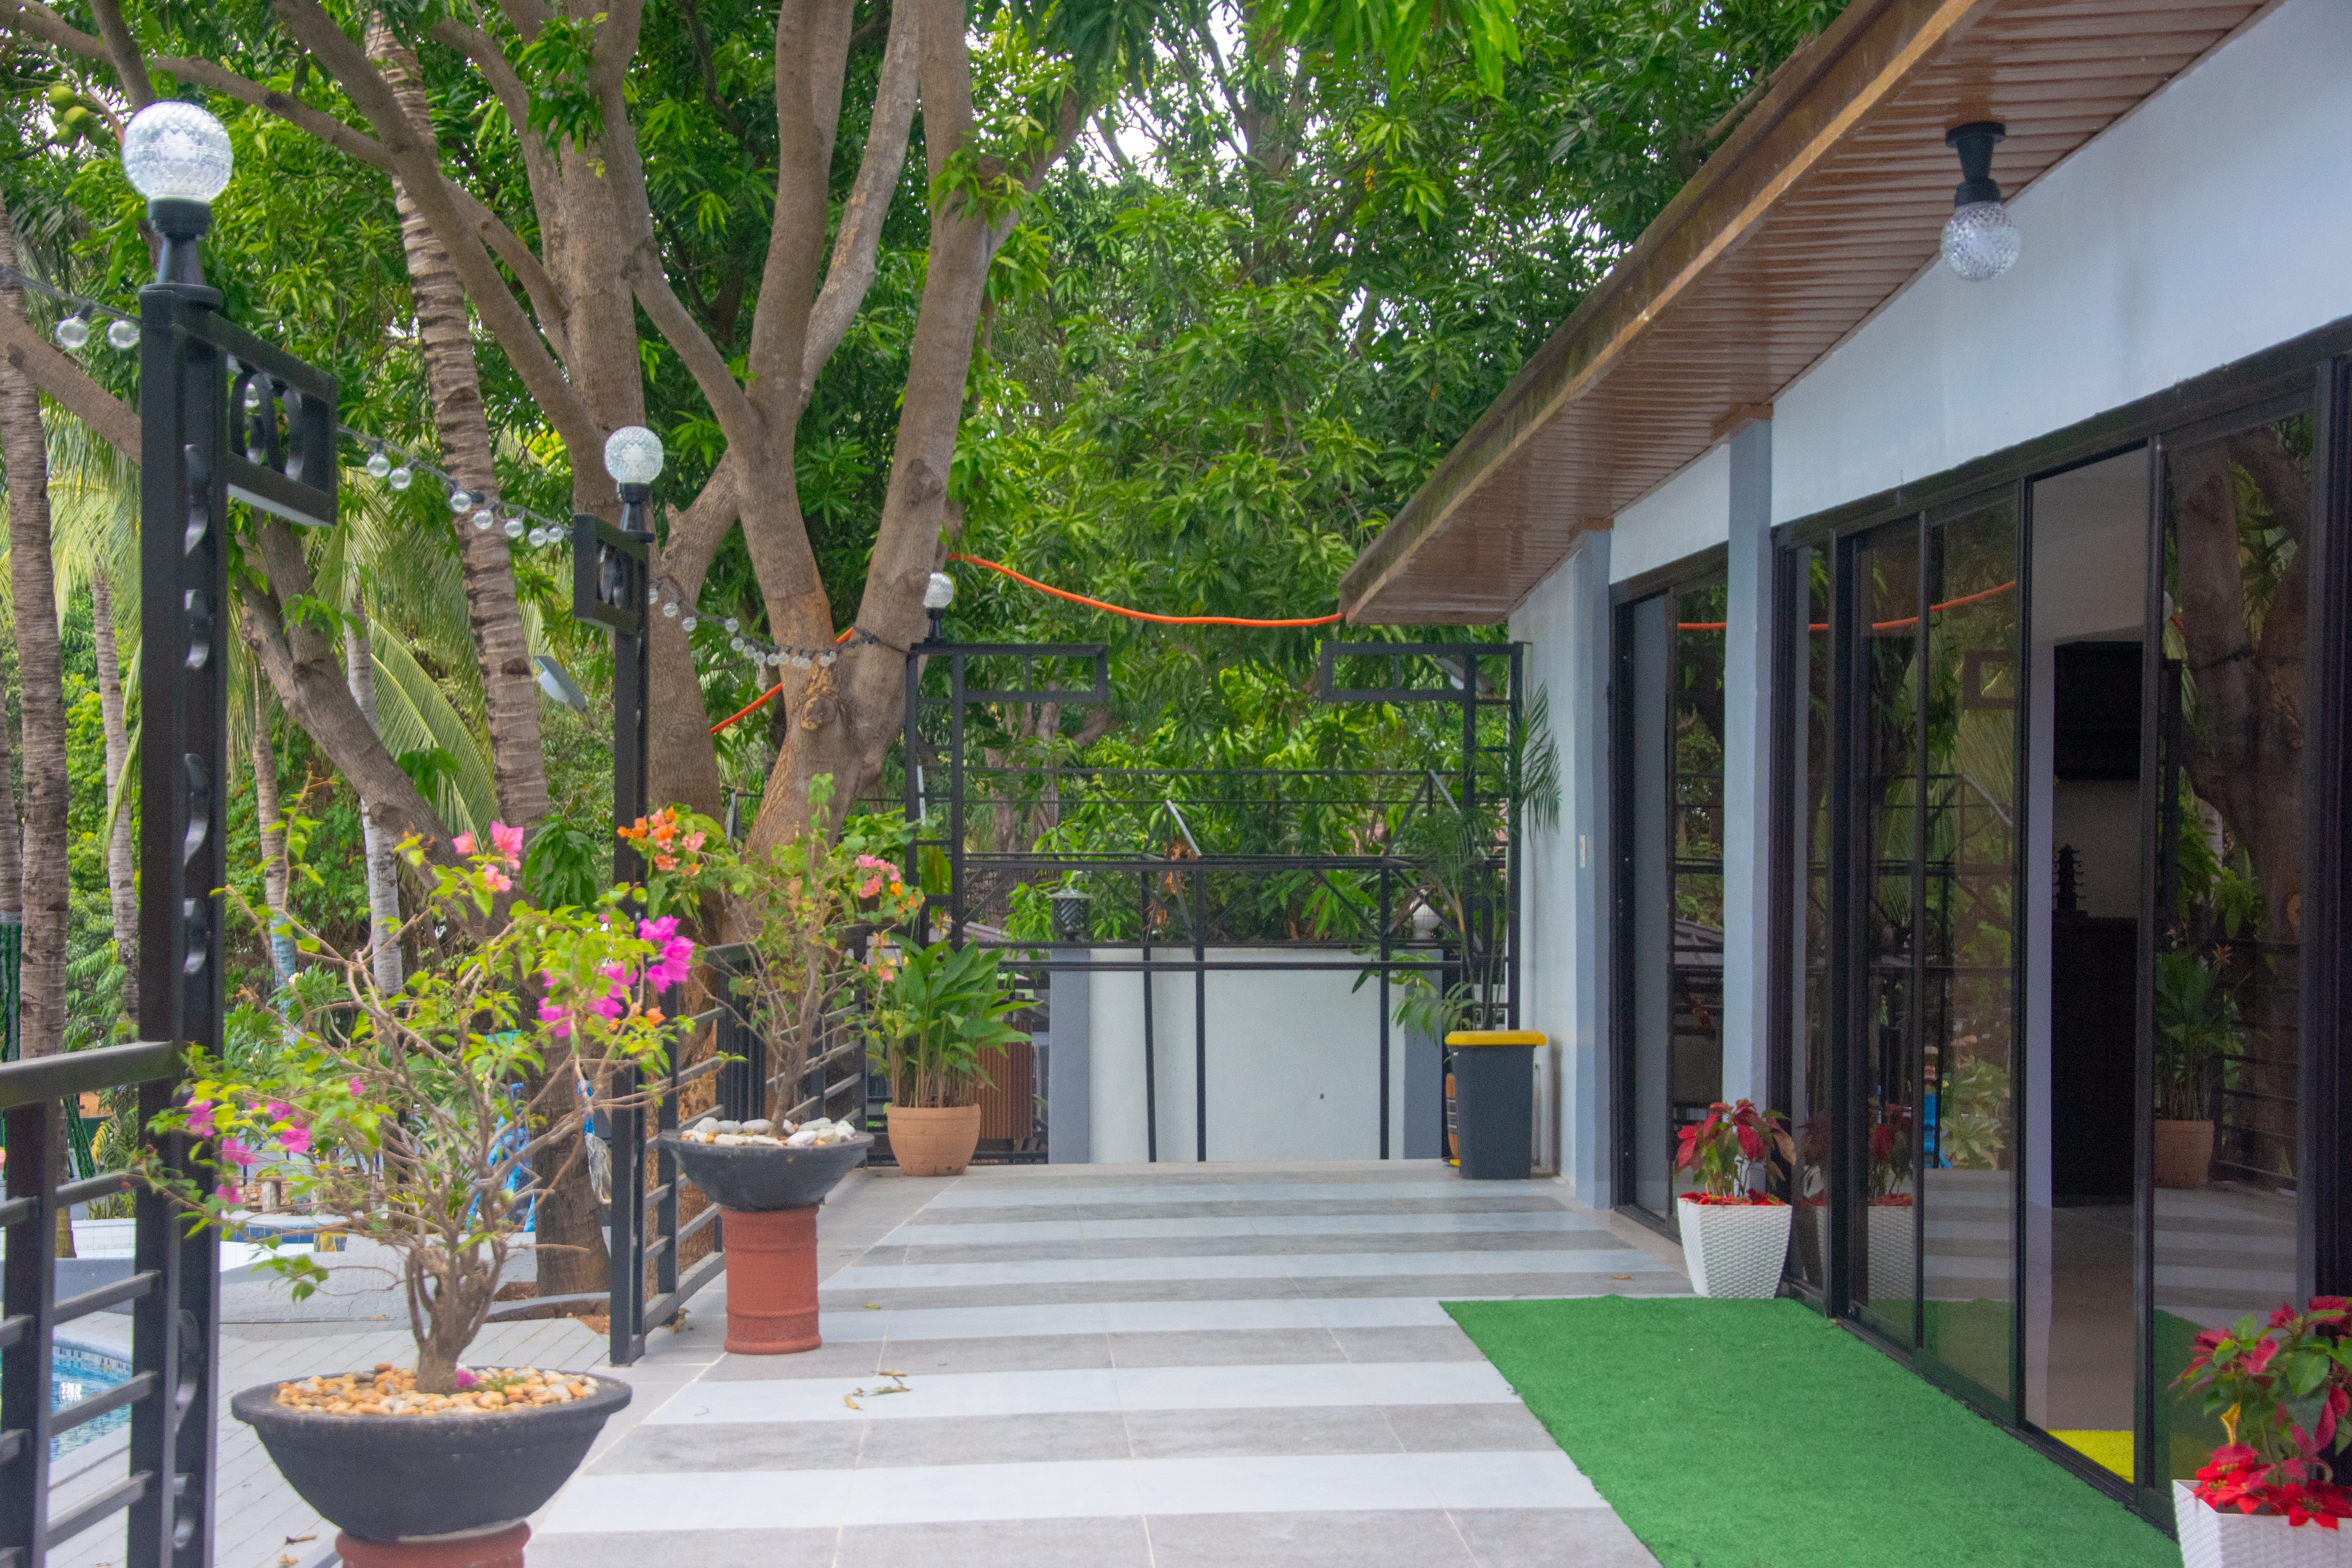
{"type": "Point", "coordinates": [1682, 516]}
{"type": "Point", "coordinates": [2209, 225]}
{"type": "Point", "coordinates": [1564, 988]}
{"type": "Point", "coordinates": [1293, 1061]}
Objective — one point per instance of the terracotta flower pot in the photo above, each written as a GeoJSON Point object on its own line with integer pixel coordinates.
{"type": "Point", "coordinates": [2184, 1153]}
{"type": "Point", "coordinates": [933, 1143]}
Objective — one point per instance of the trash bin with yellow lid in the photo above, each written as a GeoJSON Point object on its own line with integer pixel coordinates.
{"type": "Point", "coordinates": [1494, 1075]}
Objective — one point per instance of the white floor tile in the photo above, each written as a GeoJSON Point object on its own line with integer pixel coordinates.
{"type": "Point", "coordinates": [1242, 1266]}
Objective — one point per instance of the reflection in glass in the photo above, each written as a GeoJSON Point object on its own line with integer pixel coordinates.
{"type": "Point", "coordinates": [1670, 707]}
{"type": "Point", "coordinates": [1967, 1144]}
{"type": "Point", "coordinates": [1696, 986]}
{"type": "Point", "coordinates": [1808, 666]}
{"type": "Point", "coordinates": [1886, 666]}
{"type": "Point", "coordinates": [2228, 980]}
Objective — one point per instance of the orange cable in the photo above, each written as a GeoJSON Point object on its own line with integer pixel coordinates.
{"type": "Point", "coordinates": [1874, 625]}
{"type": "Point", "coordinates": [1141, 615]}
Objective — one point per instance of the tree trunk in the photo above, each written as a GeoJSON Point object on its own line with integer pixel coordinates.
{"type": "Point", "coordinates": [121, 857]}
{"type": "Point", "coordinates": [40, 667]}
{"type": "Point", "coordinates": [461, 426]}
{"type": "Point", "coordinates": [383, 875]}
{"type": "Point", "coordinates": [284, 957]}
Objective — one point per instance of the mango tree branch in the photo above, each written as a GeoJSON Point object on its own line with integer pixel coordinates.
{"type": "Point", "coordinates": [854, 247]}
{"type": "Point", "coordinates": [69, 384]}
{"type": "Point", "coordinates": [124, 50]}
{"type": "Point", "coordinates": [419, 167]}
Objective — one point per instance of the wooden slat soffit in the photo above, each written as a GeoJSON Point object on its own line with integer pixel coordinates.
{"type": "Point", "coordinates": [1828, 196]}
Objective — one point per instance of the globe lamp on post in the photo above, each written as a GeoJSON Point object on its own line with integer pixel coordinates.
{"type": "Point", "coordinates": [633, 456]}
{"type": "Point", "coordinates": [937, 595]}
{"type": "Point", "coordinates": [178, 157]}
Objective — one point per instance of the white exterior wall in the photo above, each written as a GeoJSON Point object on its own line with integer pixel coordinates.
{"type": "Point", "coordinates": [1687, 514]}
{"type": "Point", "coordinates": [1293, 1061]}
{"type": "Point", "coordinates": [2212, 223]}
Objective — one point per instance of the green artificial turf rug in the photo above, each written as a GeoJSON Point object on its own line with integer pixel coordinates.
{"type": "Point", "coordinates": [1758, 1434]}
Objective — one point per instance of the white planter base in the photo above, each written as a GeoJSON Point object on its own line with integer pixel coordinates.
{"type": "Point", "coordinates": [2228, 1538]}
{"type": "Point", "coordinates": [1736, 1251]}
{"type": "Point", "coordinates": [1893, 1254]}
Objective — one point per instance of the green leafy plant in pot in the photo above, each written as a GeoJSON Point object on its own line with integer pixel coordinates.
{"type": "Point", "coordinates": [1735, 1233]}
{"type": "Point", "coordinates": [413, 1120]}
{"type": "Point", "coordinates": [935, 1010]}
{"type": "Point", "coordinates": [2197, 1026]}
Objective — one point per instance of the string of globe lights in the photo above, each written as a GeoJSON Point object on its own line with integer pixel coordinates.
{"type": "Point", "coordinates": [398, 466]}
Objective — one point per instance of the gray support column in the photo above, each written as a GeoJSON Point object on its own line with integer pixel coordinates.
{"type": "Point", "coordinates": [1069, 1066]}
{"type": "Point", "coordinates": [1424, 1096]}
{"type": "Point", "coordinates": [1582, 726]}
{"type": "Point", "coordinates": [1748, 710]}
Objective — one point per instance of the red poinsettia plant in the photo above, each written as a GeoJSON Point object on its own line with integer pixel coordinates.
{"type": "Point", "coordinates": [2282, 1390]}
{"type": "Point", "coordinates": [1730, 1153]}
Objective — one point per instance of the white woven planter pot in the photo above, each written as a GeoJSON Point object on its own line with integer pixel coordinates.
{"type": "Point", "coordinates": [2228, 1538]}
{"type": "Point", "coordinates": [1894, 1252]}
{"type": "Point", "coordinates": [1735, 1250]}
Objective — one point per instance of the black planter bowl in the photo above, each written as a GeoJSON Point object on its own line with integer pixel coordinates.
{"type": "Point", "coordinates": [392, 1477]}
{"type": "Point", "coordinates": [752, 1178]}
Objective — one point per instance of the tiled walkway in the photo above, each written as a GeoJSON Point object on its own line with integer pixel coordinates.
{"type": "Point", "coordinates": [1116, 1366]}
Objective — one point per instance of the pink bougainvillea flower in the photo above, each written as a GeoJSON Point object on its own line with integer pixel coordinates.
{"type": "Point", "coordinates": [508, 841]}
{"type": "Point", "coordinates": [359, 1088]}
{"type": "Point", "coordinates": [873, 886]}
{"type": "Point", "coordinates": [295, 1139]}
{"type": "Point", "coordinates": [462, 844]}
{"type": "Point", "coordinates": [280, 1110]}
{"type": "Point", "coordinates": [237, 1154]}
{"type": "Point", "coordinates": [558, 1021]}
{"type": "Point", "coordinates": [232, 1193]}
{"type": "Point", "coordinates": [611, 1006]}
{"type": "Point", "coordinates": [200, 1116]}
{"type": "Point", "coordinates": [694, 840]}
{"type": "Point", "coordinates": [466, 1379]}
{"type": "Point", "coordinates": [498, 880]}
{"type": "Point", "coordinates": [660, 930]}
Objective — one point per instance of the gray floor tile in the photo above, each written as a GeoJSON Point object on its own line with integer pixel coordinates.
{"type": "Point", "coordinates": [731, 1446]}
{"type": "Point", "coordinates": [1448, 1343]}
{"type": "Point", "coordinates": [1079, 1290]}
{"type": "Point", "coordinates": [1550, 1538]}
{"type": "Point", "coordinates": [1405, 1539]}
{"type": "Point", "coordinates": [1209, 1434]}
{"type": "Point", "coordinates": [848, 1359]}
{"type": "Point", "coordinates": [1466, 1428]}
{"type": "Point", "coordinates": [994, 1440]}
{"type": "Point", "coordinates": [1024, 1352]}
{"type": "Point", "coordinates": [701, 1548]}
{"type": "Point", "coordinates": [1117, 1543]}
{"type": "Point", "coordinates": [1229, 1347]}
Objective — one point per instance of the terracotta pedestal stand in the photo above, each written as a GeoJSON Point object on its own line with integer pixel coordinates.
{"type": "Point", "coordinates": [770, 1280]}
{"type": "Point", "coordinates": [502, 1549]}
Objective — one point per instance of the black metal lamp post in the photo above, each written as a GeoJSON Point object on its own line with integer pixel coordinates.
{"type": "Point", "coordinates": [223, 416]}
{"type": "Point", "coordinates": [610, 587]}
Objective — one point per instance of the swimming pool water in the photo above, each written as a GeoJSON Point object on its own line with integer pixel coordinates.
{"type": "Point", "coordinates": [76, 1372]}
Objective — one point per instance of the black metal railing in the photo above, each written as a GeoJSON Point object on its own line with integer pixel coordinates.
{"type": "Point", "coordinates": [173, 1292]}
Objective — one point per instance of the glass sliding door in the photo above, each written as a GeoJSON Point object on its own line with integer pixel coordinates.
{"type": "Point", "coordinates": [1936, 714]}
{"type": "Point", "coordinates": [1806, 666]}
{"type": "Point", "coordinates": [1968, 996]}
{"type": "Point", "coordinates": [2226, 1039]}
{"type": "Point", "coordinates": [1669, 699]}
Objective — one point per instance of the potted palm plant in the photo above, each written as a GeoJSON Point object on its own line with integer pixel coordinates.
{"type": "Point", "coordinates": [2267, 1497]}
{"type": "Point", "coordinates": [413, 1118]}
{"type": "Point", "coordinates": [2196, 1027]}
{"type": "Point", "coordinates": [935, 1010]}
{"type": "Point", "coordinates": [1735, 1233]}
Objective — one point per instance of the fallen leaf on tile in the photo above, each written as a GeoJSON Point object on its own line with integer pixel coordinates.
{"type": "Point", "coordinates": [852, 1403]}
{"type": "Point", "coordinates": [873, 1306]}
{"type": "Point", "coordinates": [1621, 1277]}
{"type": "Point", "coordinates": [887, 1373]}
{"type": "Point", "coordinates": [298, 1540]}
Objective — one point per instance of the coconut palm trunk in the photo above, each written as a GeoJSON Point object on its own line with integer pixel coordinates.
{"type": "Point", "coordinates": [40, 665]}
{"type": "Point", "coordinates": [383, 878]}
{"type": "Point", "coordinates": [122, 857]}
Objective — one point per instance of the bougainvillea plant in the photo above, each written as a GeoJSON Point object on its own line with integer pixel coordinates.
{"type": "Point", "coordinates": [809, 908]}
{"type": "Point", "coordinates": [2280, 1389]}
{"type": "Point", "coordinates": [1730, 1153]}
{"type": "Point", "coordinates": [411, 1117]}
